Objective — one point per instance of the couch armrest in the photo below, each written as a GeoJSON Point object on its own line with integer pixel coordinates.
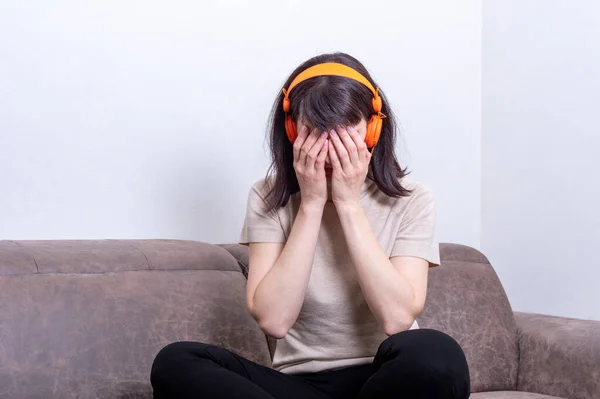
{"type": "Point", "coordinates": [559, 356]}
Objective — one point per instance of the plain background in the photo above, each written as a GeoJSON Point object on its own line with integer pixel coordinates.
{"type": "Point", "coordinates": [541, 146]}
{"type": "Point", "coordinates": [131, 119]}
{"type": "Point", "coordinates": [145, 119]}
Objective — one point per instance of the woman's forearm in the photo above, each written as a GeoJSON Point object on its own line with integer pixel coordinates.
{"type": "Point", "coordinates": [389, 295]}
{"type": "Point", "coordinates": [280, 295]}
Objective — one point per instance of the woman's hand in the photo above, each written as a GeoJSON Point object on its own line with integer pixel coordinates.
{"type": "Point", "coordinates": [350, 160]}
{"type": "Point", "coordinates": [310, 152]}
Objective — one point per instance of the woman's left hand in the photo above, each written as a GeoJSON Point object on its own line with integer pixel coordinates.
{"type": "Point", "coordinates": [350, 161]}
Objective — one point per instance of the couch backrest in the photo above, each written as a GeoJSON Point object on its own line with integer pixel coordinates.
{"type": "Point", "coordinates": [466, 300]}
{"type": "Point", "coordinates": [84, 319]}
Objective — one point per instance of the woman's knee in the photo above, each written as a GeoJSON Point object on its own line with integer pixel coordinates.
{"type": "Point", "coordinates": [172, 356]}
{"type": "Point", "coordinates": [426, 349]}
{"type": "Point", "coordinates": [419, 341]}
{"type": "Point", "coordinates": [428, 361]}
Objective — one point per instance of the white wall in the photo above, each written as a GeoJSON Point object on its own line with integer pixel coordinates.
{"type": "Point", "coordinates": [541, 147]}
{"type": "Point", "coordinates": [145, 119]}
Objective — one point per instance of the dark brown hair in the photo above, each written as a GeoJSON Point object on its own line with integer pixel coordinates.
{"type": "Point", "coordinates": [324, 102]}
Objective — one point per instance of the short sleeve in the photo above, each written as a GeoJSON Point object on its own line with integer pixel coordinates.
{"type": "Point", "coordinates": [416, 235]}
{"type": "Point", "coordinates": [260, 225]}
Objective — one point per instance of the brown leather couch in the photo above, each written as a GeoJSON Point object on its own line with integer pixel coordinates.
{"type": "Point", "coordinates": [84, 319]}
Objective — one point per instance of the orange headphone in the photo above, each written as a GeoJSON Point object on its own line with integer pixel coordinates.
{"type": "Point", "coordinates": [332, 68]}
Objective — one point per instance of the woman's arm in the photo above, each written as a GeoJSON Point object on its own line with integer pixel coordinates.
{"type": "Point", "coordinates": [395, 288]}
{"type": "Point", "coordinates": [278, 274]}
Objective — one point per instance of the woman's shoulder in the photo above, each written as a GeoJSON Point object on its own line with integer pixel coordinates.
{"type": "Point", "coordinates": [417, 189]}
{"type": "Point", "coordinates": [261, 192]}
{"type": "Point", "coordinates": [418, 193]}
{"type": "Point", "coordinates": [262, 187]}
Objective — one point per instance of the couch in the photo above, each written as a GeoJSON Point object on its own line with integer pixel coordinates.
{"type": "Point", "coordinates": [84, 319]}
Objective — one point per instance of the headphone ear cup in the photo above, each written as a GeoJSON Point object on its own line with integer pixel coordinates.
{"type": "Point", "coordinates": [290, 128]}
{"type": "Point", "coordinates": [373, 131]}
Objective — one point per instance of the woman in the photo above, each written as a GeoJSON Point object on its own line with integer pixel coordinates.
{"type": "Point", "coordinates": [340, 246]}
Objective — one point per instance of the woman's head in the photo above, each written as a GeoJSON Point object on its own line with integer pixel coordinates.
{"type": "Point", "coordinates": [321, 103]}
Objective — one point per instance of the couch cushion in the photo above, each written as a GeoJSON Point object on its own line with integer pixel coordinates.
{"type": "Point", "coordinates": [241, 253]}
{"type": "Point", "coordinates": [511, 395]}
{"type": "Point", "coordinates": [94, 334]}
{"type": "Point", "coordinates": [466, 300]}
{"type": "Point", "coordinates": [14, 259]}
{"type": "Point", "coordinates": [100, 256]}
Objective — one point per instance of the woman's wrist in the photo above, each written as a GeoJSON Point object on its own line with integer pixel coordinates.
{"type": "Point", "coordinates": [312, 207]}
{"type": "Point", "coordinates": [347, 207]}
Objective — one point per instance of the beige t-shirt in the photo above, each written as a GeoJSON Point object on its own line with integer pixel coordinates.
{"type": "Point", "coordinates": [335, 327]}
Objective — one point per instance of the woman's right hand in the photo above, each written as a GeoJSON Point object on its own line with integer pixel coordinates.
{"type": "Point", "coordinates": [310, 152]}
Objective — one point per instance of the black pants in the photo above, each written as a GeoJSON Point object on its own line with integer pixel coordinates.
{"type": "Point", "coordinates": [415, 364]}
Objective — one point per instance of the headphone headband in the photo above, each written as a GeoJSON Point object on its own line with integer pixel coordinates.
{"type": "Point", "coordinates": [331, 69]}
{"type": "Point", "coordinates": [334, 69]}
